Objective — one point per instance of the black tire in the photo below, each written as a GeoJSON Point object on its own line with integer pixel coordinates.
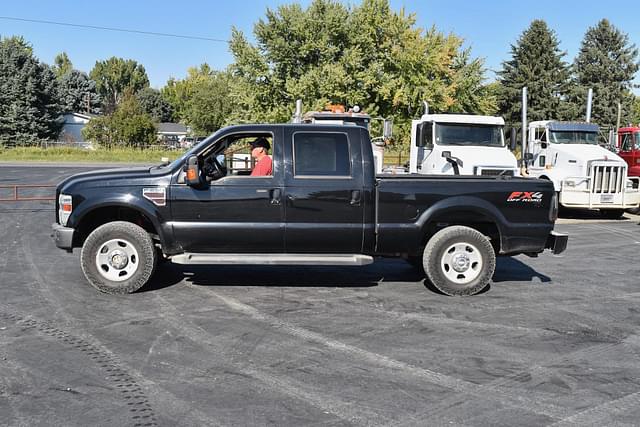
{"type": "Point", "coordinates": [612, 213]}
{"type": "Point", "coordinates": [470, 247]}
{"type": "Point", "coordinates": [634, 211]}
{"type": "Point", "coordinates": [140, 264]}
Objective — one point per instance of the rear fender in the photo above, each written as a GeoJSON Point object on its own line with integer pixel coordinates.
{"type": "Point", "coordinates": [452, 210]}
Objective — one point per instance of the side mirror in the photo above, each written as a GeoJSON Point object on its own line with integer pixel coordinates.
{"type": "Point", "coordinates": [513, 140]}
{"type": "Point", "coordinates": [192, 170]}
{"type": "Point", "coordinates": [528, 157]}
{"type": "Point", "coordinates": [446, 154]}
{"type": "Point", "coordinates": [543, 145]}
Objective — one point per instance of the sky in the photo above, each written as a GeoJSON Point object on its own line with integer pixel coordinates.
{"type": "Point", "coordinates": [488, 28]}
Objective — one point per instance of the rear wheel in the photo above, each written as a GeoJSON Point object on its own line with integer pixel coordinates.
{"type": "Point", "coordinates": [459, 260]}
{"type": "Point", "coordinates": [118, 258]}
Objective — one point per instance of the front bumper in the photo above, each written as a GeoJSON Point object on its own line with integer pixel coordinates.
{"type": "Point", "coordinates": [557, 242]}
{"type": "Point", "coordinates": [62, 236]}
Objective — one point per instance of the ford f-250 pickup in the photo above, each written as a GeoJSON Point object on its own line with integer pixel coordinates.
{"type": "Point", "coordinates": [322, 205]}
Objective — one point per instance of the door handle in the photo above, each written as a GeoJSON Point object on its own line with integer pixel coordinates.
{"type": "Point", "coordinates": [355, 198]}
{"type": "Point", "coordinates": [276, 194]}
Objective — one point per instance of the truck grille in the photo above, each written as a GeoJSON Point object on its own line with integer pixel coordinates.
{"type": "Point", "coordinates": [607, 179]}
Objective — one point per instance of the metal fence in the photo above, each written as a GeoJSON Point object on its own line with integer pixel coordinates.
{"type": "Point", "coordinates": [27, 192]}
{"type": "Point", "coordinates": [88, 146]}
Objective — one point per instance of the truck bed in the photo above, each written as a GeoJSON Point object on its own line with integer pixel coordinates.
{"type": "Point", "coordinates": [515, 210]}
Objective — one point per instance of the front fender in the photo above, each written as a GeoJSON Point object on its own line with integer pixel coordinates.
{"type": "Point", "coordinates": [88, 205]}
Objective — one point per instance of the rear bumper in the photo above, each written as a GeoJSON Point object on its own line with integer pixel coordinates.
{"type": "Point", "coordinates": [62, 236]}
{"type": "Point", "coordinates": [557, 242]}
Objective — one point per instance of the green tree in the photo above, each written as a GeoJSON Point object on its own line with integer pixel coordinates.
{"type": "Point", "coordinates": [128, 125]}
{"type": "Point", "coordinates": [536, 62]}
{"type": "Point", "coordinates": [388, 65]}
{"type": "Point", "coordinates": [606, 63]}
{"type": "Point", "coordinates": [78, 93]}
{"type": "Point", "coordinates": [114, 77]}
{"type": "Point", "coordinates": [62, 64]}
{"type": "Point", "coordinates": [178, 92]}
{"type": "Point", "coordinates": [635, 111]}
{"type": "Point", "coordinates": [154, 104]}
{"type": "Point", "coordinates": [29, 105]}
{"type": "Point", "coordinates": [209, 106]}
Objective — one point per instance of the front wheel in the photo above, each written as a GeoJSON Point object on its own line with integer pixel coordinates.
{"type": "Point", "coordinates": [459, 260]}
{"type": "Point", "coordinates": [118, 258]}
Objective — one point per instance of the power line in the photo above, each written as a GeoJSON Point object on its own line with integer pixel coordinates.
{"type": "Point", "coordinates": [121, 30]}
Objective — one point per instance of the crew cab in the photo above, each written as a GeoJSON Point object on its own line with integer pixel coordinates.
{"type": "Point", "coordinates": [322, 205]}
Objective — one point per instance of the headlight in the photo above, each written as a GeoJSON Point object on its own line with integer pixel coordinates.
{"type": "Point", "coordinates": [65, 206]}
{"type": "Point", "coordinates": [631, 185]}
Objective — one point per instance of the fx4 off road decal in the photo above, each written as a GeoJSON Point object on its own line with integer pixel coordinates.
{"type": "Point", "coordinates": [525, 196]}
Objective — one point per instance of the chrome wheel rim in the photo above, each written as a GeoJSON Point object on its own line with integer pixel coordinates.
{"type": "Point", "coordinates": [117, 260]}
{"type": "Point", "coordinates": [461, 263]}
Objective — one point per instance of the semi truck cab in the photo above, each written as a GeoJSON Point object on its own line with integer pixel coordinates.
{"type": "Point", "coordinates": [460, 144]}
{"type": "Point", "coordinates": [629, 148]}
{"type": "Point", "coordinates": [584, 174]}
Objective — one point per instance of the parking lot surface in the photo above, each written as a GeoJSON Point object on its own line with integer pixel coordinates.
{"type": "Point", "coordinates": [555, 340]}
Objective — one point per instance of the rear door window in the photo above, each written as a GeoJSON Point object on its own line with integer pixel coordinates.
{"type": "Point", "coordinates": [321, 155]}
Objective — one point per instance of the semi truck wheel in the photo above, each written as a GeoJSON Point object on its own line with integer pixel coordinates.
{"type": "Point", "coordinates": [118, 257]}
{"type": "Point", "coordinates": [459, 260]}
{"type": "Point", "coordinates": [612, 213]}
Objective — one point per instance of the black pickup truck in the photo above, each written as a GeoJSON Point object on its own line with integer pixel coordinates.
{"type": "Point", "coordinates": [322, 205]}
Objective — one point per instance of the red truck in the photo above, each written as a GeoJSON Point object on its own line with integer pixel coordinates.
{"type": "Point", "coordinates": [629, 148]}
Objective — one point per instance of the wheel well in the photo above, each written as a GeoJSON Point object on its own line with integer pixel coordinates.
{"type": "Point", "coordinates": [478, 221]}
{"type": "Point", "coordinates": [100, 216]}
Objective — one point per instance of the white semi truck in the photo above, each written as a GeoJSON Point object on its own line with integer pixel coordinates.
{"type": "Point", "coordinates": [586, 175]}
{"type": "Point", "coordinates": [460, 144]}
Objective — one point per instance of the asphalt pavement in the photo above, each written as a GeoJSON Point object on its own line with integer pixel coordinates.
{"type": "Point", "coordinates": [554, 341]}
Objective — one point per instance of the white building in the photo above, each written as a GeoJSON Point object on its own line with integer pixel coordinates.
{"type": "Point", "coordinates": [72, 127]}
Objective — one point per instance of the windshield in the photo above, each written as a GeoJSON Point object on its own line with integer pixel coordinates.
{"type": "Point", "coordinates": [466, 134]}
{"type": "Point", "coordinates": [180, 160]}
{"type": "Point", "coordinates": [573, 137]}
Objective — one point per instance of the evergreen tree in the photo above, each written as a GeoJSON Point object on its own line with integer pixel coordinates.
{"type": "Point", "coordinates": [78, 93]}
{"type": "Point", "coordinates": [29, 105]}
{"type": "Point", "coordinates": [154, 104]}
{"type": "Point", "coordinates": [536, 62]}
{"type": "Point", "coordinates": [635, 112]}
{"type": "Point", "coordinates": [607, 64]}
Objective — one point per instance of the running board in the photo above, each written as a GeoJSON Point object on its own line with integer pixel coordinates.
{"type": "Point", "coordinates": [272, 259]}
